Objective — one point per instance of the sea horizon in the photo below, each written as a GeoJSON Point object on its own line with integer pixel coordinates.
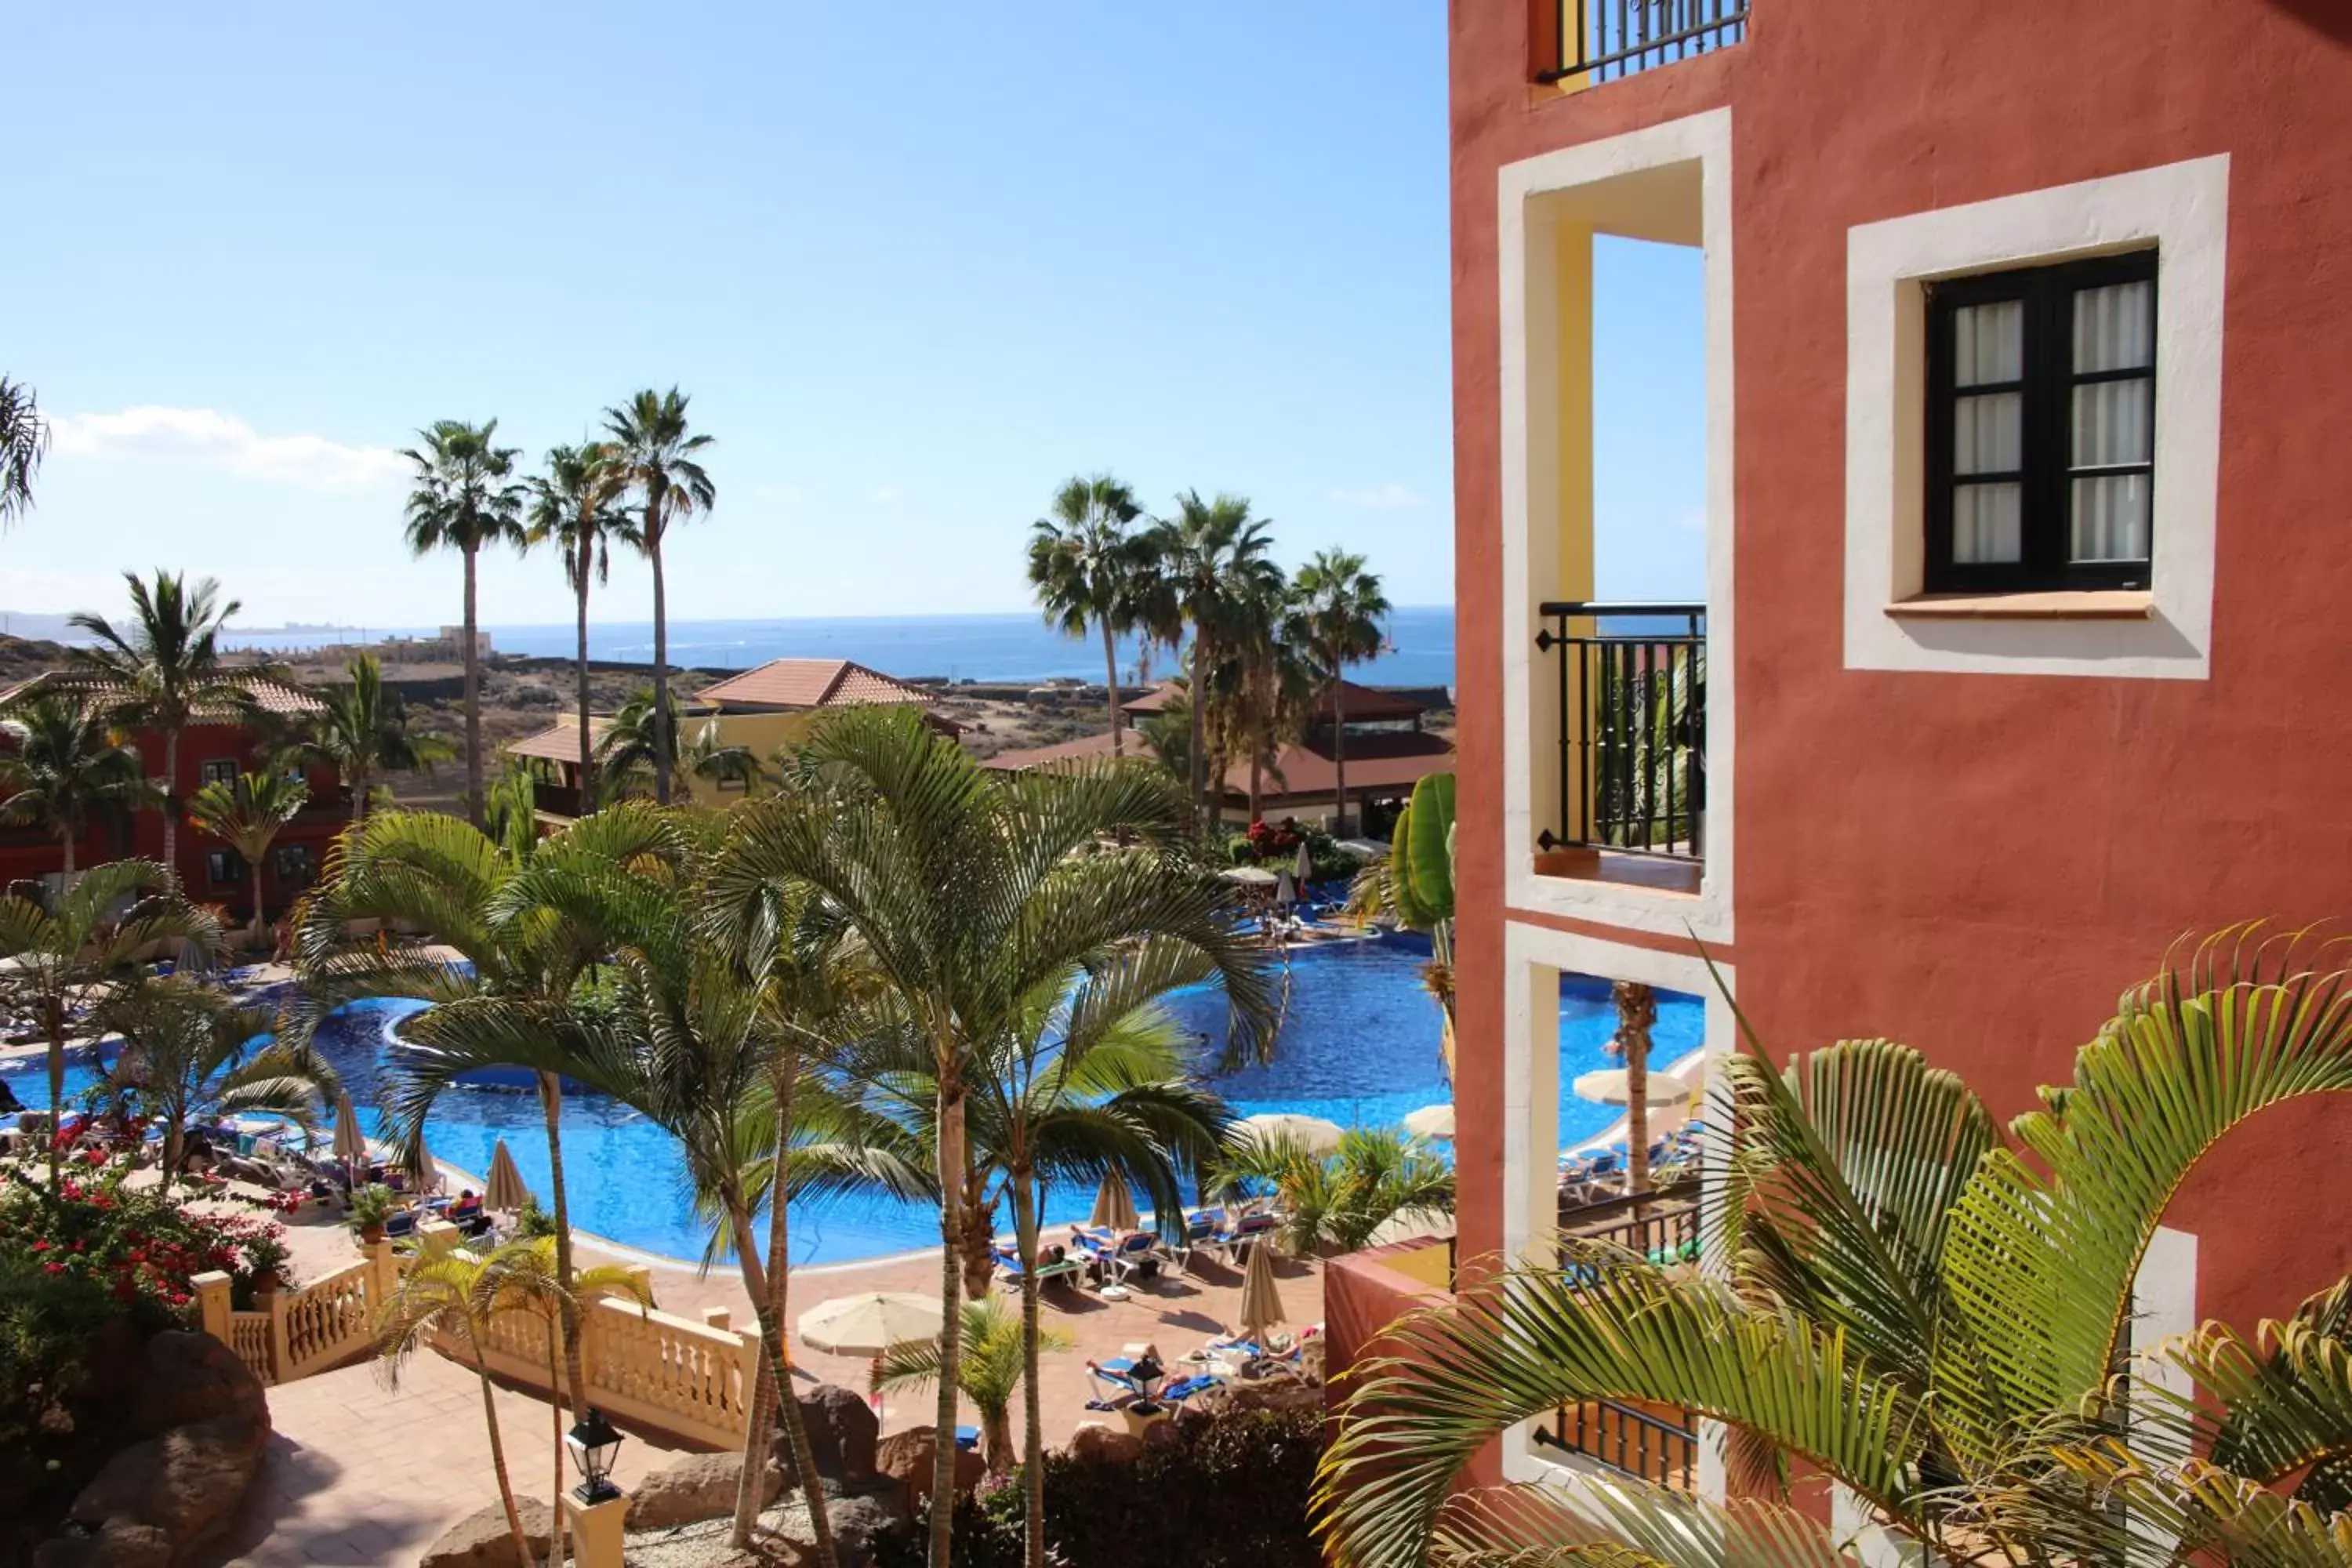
{"type": "Point", "coordinates": [1007, 645]}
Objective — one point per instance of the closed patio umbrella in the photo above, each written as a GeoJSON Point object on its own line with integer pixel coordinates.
{"type": "Point", "coordinates": [504, 1189]}
{"type": "Point", "coordinates": [1607, 1087]}
{"type": "Point", "coordinates": [1261, 1302]}
{"type": "Point", "coordinates": [1430, 1122]}
{"type": "Point", "coordinates": [870, 1324]}
{"type": "Point", "coordinates": [1304, 867]}
{"type": "Point", "coordinates": [1312, 1133]}
{"type": "Point", "coordinates": [1114, 1204]}
{"type": "Point", "coordinates": [350, 1143]}
{"type": "Point", "coordinates": [1286, 893]}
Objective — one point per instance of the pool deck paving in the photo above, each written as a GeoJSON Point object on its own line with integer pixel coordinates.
{"type": "Point", "coordinates": [359, 1473]}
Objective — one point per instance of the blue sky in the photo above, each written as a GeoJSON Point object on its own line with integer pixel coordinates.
{"type": "Point", "coordinates": [914, 264]}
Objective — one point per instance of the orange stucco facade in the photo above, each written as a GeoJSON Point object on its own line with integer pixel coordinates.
{"type": "Point", "coordinates": [1976, 863]}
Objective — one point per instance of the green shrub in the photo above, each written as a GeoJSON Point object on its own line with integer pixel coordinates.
{"type": "Point", "coordinates": [1232, 1491]}
{"type": "Point", "coordinates": [533, 1222]}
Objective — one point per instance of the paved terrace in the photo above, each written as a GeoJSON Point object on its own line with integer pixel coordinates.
{"type": "Point", "coordinates": [360, 1474]}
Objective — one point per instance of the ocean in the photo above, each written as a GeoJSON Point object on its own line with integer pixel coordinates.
{"type": "Point", "coordinates": [1007, 647]}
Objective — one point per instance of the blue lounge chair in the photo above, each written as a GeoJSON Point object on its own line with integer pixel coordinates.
{"type": "Point", "coordinates": [1008, 1265]}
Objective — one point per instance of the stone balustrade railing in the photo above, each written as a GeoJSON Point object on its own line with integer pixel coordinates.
{"type": "Point", "coordinates": [692, 1379]}
{"type": "Point", "coordinates": [327, 1324]}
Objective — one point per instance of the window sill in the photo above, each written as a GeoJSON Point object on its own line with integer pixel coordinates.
{"type": "Point", "coordinates": [2123, 604]}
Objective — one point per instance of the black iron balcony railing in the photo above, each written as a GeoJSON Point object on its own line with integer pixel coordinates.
{"type": "Point", "coordinates": [555, 799]}
{"type": "Point", "coordinates": [1633, 727]}
{"type": "Point", "coordinates": [1630, 1441]}
{"type": "Point", "coordinates": [1605, 39]}
{"type": "Point", "coordinates": [1659, 1225]}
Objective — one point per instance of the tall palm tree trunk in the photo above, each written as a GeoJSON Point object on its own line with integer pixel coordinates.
{"type": "Point", "coordinates": [65, 841]}
{"type": "Point", "coordinates": [1197, 702]}
{"type": "Point", "coordinates": [587, 752]}
{"type": "Point", "coordinates": [1340, 753]}
{"type": "Point", "coordinates": [662, 747]}
{"type": "Point", "coordinates": [499, 1452]}
{"type": "Point", "coordinates": [550, 1101]}
{"type": "Point", "coordinates": [171, 804]}
{"type": "Point", "coordinates": [360, 783]}
{"type": "Point", "coordinates": [556, 1356]}
{"type": "Point", "coordinates": [1637, 1010]}
{"type": "Point", "coordinates": [473, 699]}
{"type": "Point", "coordinates": [766, 1285]}
{"type": "Point", "coordinates": [1033, 1426]}
{"type": "Point", "coordinates": [1110, 686]}
{"type": "Point", "coordinates": [950, 1173]}
{"type": "Point", "coordinates": [259, 920]}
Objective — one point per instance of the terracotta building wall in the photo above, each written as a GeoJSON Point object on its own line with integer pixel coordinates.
{"type": "Point", "coordinates": [1979, 864]}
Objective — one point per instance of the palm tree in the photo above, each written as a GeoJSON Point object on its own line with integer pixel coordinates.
{"type": "Point", "coordinates": [247, 816]}
{"type": "Point", "coordinates": [631, 741]}
{"type": "Point", "coordinates": [1267, 679]}
{"type": "Point", "coordinates": [66, 769]}
{"type": "Point", "coordinates": [1931, 1314]}
{"type": "Point", "coordinates": [87, 944]}
{"type": "Point", "coordinates": [24, 440]}
{"type": "Point", "coordinates": [1206, 546]}
{"type": "Point", "coordinates": [431, 872]}
{"type": "Point", "coordinates": [1089, 1085]}
{"type": "Point", "coordinates": [1637, 1013]}
{"type": "Point", "coordinates": [466, 499]}
{"type": "Point", "coordinates": [1335, 1203]}
{"type": "Point", "coordinates": [440, 1297]}
{"type": "Point", "coordinates": [661, 462]}
{"type": "Point", "coordinates": [524, 1277]}
{"type": "Point", "coordinates": [577, 503]}
{"type": "Point", "coordinates": [187, 1047]}
{"type": "Point", "coordinates": [707, 1044]}
{"type": "Point", "coordinates": [996, 1346]}
{"type": "Point", "coordinates": [1082, 560]}
{"type": "Point", "coordinates": [163, 668]}
{"type": "Point", "coordinates": [362, 731]}
{"type": "Point", "coordinates": [965, 893]}
{"type": "Point", "coordinates": [1340, 609]}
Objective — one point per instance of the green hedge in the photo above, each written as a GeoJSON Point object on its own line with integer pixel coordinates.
{"type": "Point", "coordinates": [1231, 1492]}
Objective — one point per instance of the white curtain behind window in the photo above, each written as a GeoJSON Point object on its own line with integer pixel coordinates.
{"type": "Point", "coordinates": [2114, 421]}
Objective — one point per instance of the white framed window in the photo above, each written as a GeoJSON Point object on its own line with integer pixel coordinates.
{"type": "Point", "coordinates": [2034, 401]}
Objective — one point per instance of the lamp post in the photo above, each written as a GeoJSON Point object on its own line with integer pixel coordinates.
{"type": "Point", "coordinates": [595, 1507]}
{"type": "Point", "coordinates": [592, 1443]}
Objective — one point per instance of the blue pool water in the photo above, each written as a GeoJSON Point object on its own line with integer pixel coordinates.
{"type": "Point", "coordinates": [1358, 1045]}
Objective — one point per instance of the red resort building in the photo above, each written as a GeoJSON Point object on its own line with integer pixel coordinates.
{"type": "Point", "coordinates": [2027, 368]}
{"type": "Point", "coordinates": [216, 747]}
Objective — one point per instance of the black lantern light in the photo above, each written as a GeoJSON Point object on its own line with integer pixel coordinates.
{"type": "Point", "coordinates": [594, 1442]}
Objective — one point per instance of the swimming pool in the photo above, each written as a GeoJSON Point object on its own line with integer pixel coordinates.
{"type": "Point", "coordinates": [1358, 1045]}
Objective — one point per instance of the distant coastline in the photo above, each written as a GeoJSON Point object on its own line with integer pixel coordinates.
{"type": "Point", "coordinates": [1002, 647]}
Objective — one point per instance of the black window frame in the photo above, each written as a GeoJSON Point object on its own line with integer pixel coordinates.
{"type": "Point", "coordinates": [301, 858]}
{"type": "Point", "coordinates": [2045, 507]}
{"type": "Point", "coordinates": [225, 868]}
{"type": "Point", "coordinates": [207, 771]}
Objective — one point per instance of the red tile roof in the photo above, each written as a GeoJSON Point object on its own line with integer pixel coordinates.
{"type": "Point", "coordinates": [811, 683]}
{"type": "Point", "coordinates": [276, 697]}
{"type": "Point", "coordinates": [1085, 748]}
{"type": "Point", "coordinates": [1375, 761]}
{"type": "Point", "coordinates": [1366, 704]}
{"type": "Point", "coordinates": [559, 742]}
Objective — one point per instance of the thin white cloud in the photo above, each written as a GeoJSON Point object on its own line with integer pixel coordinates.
{"type": "Point", "coordinates": [1381, 498]}
{"type": "Point", "coordinates": [885, 494]}
{"type": "Point", "coordinates": [215, 440]}
{"type": "Point", "coordinates": [776, 493]}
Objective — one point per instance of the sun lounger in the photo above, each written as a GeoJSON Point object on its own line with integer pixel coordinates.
{"type": "Point", "coordinates": [1135, 1253]}
{"type": "Point", "coordinates": [1068, 1270]}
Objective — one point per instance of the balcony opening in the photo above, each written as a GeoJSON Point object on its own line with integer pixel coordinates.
{"type": "Point", "coordinates": [1597, 1206]}
{"type": "Point", "coordinates": [1622, 650]}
